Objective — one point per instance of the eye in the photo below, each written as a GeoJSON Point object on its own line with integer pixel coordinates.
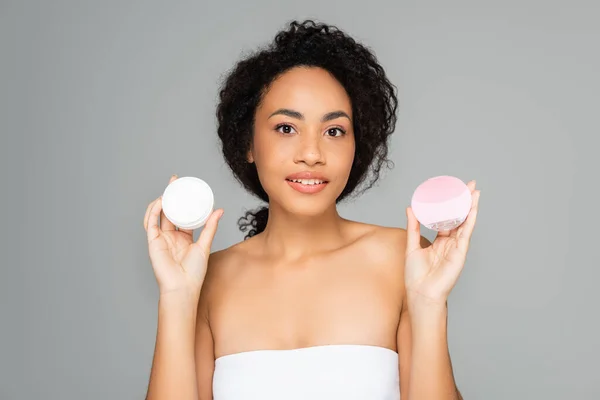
{"type": "Point", "coordinates": [335, 132]}
{"type": "Point", "coordinates": [284, 129]}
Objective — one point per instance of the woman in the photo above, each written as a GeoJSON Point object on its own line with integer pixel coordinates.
{"type": "Point", "coordinates": [311, 305]}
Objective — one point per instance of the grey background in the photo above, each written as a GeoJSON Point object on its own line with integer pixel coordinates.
{"type": "Point", "coordinates": [100, 102]}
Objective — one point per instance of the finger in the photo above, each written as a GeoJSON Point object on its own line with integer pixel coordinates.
{"type": "Point", "coordinates": [165, 224]}
{"type": "Point", "coordinates": [413, 232]}
{"type": "Point", "coordinates": [457, 231]}
{"type": "Point", "coordinates": [147, 217]}
{"type": "Point", "coordinates": [474, 197]}
{"type": "Point", "coordinates": [208, 233]}
{"type": "Point", "coordinates": [471, 185]}
{"type": "Point", "coordinates": [187, 231]}
{"type": "Point", "coordinates": [476, 194]}
{"type": "Point", "coordinates": [444, 233]}
{"type": "Point", "coordinates": [154, 230]}
{"type": "Point", "coordinates": [147, 213]}
{"type": "Point", "coordinates": [466, 230]}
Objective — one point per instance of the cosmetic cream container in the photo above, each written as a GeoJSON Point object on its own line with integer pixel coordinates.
{"type": "Point", "coordinates": [188, 202]}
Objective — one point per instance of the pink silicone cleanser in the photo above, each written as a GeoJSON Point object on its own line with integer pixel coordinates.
{"type": "Point", "coordinates": [441, 203]}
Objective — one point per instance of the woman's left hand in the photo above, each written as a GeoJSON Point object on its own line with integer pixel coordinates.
{"type": "Point", "coordinates": [431, 273]}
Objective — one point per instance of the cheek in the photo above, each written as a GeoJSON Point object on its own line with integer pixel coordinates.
{"type": "Point", "coordinates": [271, 154]}
{"type": "Point", "coordinates": [341, 158]}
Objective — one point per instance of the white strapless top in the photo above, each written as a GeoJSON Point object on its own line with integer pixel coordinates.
{"type": "Point", "coordinates": [320, 372]}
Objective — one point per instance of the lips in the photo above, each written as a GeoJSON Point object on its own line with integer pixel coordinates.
{"type": "Point", "coordinates": [307, 188]}
{"type": "Point", "coordinates": [307, 182]}
{"type": "Point", "coordinates": [306, 175]}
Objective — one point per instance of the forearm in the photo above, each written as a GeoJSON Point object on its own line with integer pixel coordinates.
{"type": "Point", "coordinates": [173, 374]}
{"type": "Point", "coordinates": [431, 375]}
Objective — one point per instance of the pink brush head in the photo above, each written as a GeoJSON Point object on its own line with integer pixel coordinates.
{"type": "Point", "coordinates": [441, 203]}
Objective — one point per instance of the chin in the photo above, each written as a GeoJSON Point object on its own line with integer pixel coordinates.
{"type": "Point", "coordinates": [308, 205]}
{"type": "Point", "coordinates": [307, 209]}
{"type": "Point", "coordinates": [305, 204]}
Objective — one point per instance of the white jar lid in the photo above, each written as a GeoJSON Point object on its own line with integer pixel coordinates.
{"type": "Point", "coordinates": [188, 202]}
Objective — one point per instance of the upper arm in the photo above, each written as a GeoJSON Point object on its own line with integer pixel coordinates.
{"type": "Point", "coordinates": [404, 345]}
{"type": "Point", "coordinates": [204, 346]}
{"type": "Point", "coordinates": [205, 359]}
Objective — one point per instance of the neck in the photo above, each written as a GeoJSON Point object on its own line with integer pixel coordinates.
{"type": "Point", "coordinates": [292, 237]}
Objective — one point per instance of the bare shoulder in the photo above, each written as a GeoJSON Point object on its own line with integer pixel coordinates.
{"type": "Point", "coordinates": [223, 263]}
{"type": "Point", "coordinates": [386, 244]}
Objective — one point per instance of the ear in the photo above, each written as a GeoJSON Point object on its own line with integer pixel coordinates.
{"type": "Point", "coordinates": [249, 156]}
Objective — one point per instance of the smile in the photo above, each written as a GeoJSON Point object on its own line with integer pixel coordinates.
{"type": "Point", "coordinates": [308, 186]}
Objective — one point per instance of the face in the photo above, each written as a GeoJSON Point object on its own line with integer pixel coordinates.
{"type": "Point", "coordinates": [303, 144]}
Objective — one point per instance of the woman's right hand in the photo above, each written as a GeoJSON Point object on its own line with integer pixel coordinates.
{"type": "Point", "coordinates": [179, 263]}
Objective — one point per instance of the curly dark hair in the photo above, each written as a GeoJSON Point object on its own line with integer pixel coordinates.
{"type": "Point", "coordinates": [309, 44]}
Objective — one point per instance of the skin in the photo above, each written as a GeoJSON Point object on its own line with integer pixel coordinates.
{"type": "Point", "coordinates": [312, 277]}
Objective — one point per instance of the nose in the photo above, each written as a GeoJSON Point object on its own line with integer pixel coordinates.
{"type": "Point", "coordinates": [309, 150]}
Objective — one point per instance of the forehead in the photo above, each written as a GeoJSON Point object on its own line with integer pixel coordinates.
{"type": "Point", "coordinates": [307, 89]}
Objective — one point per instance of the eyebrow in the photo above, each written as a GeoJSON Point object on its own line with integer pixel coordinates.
{"type": "Point", "coordinates": [295, 114]}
